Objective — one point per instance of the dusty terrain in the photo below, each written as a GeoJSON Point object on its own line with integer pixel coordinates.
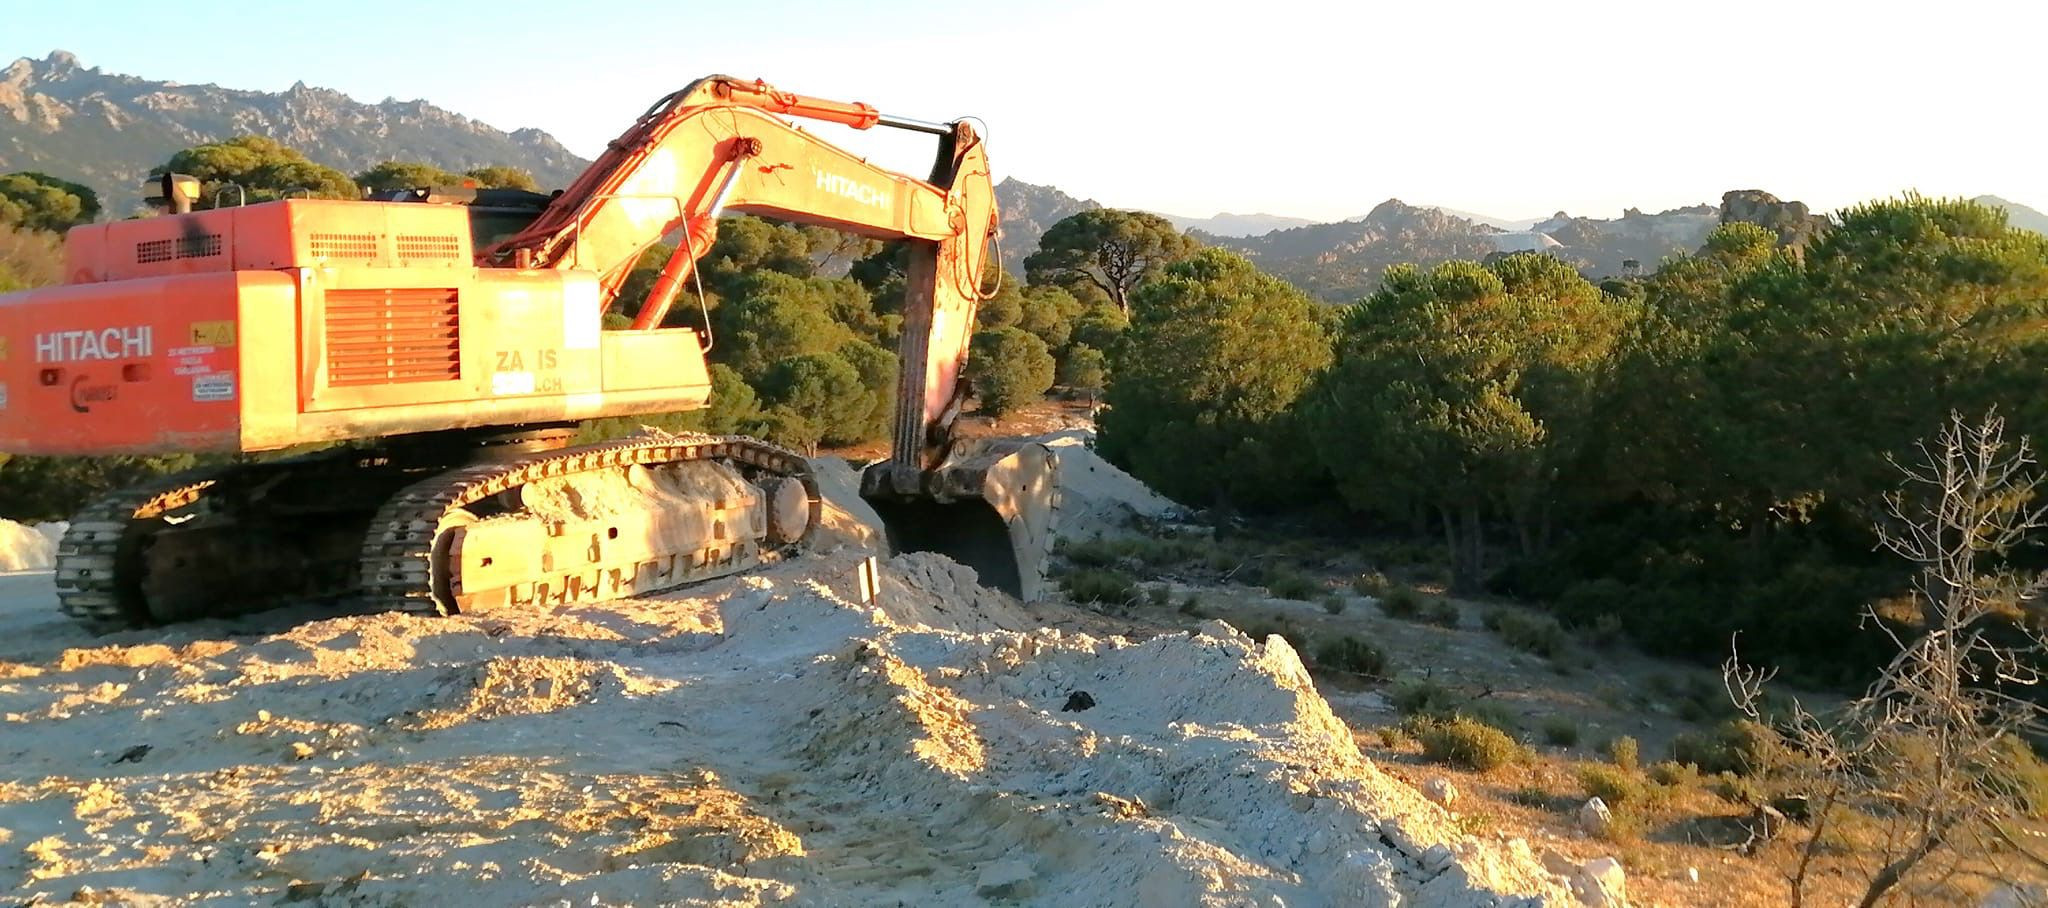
{"type": "Point", "coordinates": [771, 738]}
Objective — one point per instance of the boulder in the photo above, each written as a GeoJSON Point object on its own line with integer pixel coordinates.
{"type": "Point", "coordinates": [1600, 883]}
{"type": "Point", "coordinates": [1441, 791]}
{"type": "Point", "coordinates": [1791, 221]}
{"type": "Point", "coordinates": [1595, 818]}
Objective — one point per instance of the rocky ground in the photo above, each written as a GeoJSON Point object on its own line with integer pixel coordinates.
{"type": "Point", "coordinates": [769, 738]}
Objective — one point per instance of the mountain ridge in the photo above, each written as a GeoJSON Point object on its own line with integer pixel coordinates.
{"type": "Point", "coordinates": [106, 130]}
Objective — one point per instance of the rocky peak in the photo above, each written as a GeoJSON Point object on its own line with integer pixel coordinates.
{"type": "Point", "coordinates": [1791, 221]}
{"type": "Point", "coordinates": [106, 129]}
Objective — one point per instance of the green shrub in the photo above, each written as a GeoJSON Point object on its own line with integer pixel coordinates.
{"type": "Point", "coordinates": [1084, 369]}
{"type": "Point", "coordinates": [1664, 684]}
{"type": "Point", "coordinates": [1624, 752]}
{"type": "Point", "coordinates": [1097, 552]}
{"type": "Point", "coordinates": [1538, 634]}
{"type": "Point", "coordinates": [1468, 743]}
{"type": "Point", "coordinates": [1334, 604]}
{"type": "Point", "coordinates": [1442, 613]}
{"type": "Point", "coordinates": [1401, 602]}
{"type": "Point", "coordinates": [1101, 585]}
{"type": "Point", "coordinates": [1191, 605]}
{"type": "Point", "coordinates": [2015, 771]}
{"type": "Point", "coordinates": [1586, 602]}
{"type": "Point", "coordinates": [1423, 697]}
{"type": "Point", "coordinates": [1394, 737]}
{"type": "Point", "coordinates": [1607, 631]}
{"type": "Point", "coordinates": [1737, 746]}
{"type": "Point", "coordinates": [1286, 584]}
{"type": "Point", "coordinates": [1010, 367]}
{"type": "Point", "coordinates": [1667, 772]}
{"type": "Point", "coordinates": [1560, 731]}
{"type": "Point", "coordinates": [1371, 583]}
{"type": "Point", "coordinates": [1159, 596]}
{"type": "Point", "coordinates": [1738, 789]}
{"type": "Point", "coordinates": [1620, 788]}
{"type": "Point", "coordinates": [1352, 654]}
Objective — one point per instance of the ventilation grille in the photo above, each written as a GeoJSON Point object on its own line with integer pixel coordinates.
{"type": "Point", "coordinates": [433, 247]}
{"type": "Point", "coordinates": [204, 245]}
{"type": "Point", "coordinates": [197, 246]}
{"type": "Point", "coordinates": [345, 246]}
{"type": "Point", "coordinates": [382, 337]}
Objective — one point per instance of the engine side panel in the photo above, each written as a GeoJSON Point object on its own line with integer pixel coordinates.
{"type": "Point", "coordinates": [140, 367]}
{"type": "Point", "coordinates": [258, 360]}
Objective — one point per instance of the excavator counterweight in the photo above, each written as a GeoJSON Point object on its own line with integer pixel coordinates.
{"type": "Point", "coordinates": [445, 344]}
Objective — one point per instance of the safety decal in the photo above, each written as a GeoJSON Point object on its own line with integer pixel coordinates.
{"type": "Point", "coordinates": [213, 386]}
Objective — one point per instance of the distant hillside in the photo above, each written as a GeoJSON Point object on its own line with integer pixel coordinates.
{"type": "Point", "coordinates": [1227, 224]}
{"type": "Point", "coordinates": [1343, 261]}
{"type": "Point", "coordinates": [106, 130]}
{"type": "Point", "coordinates": [1028, 211]}
{"type": "Point", "coordinates": [1512, 225]}
{"type": "Point", "coordinates": [2017, 214]}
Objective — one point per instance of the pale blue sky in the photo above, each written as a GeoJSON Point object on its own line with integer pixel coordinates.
{"type": "Point", "coordinates": [1302, 108]}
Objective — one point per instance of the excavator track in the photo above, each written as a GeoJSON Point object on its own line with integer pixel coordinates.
{"type": "Point", "coordinates": [100, 549]}
{"type": "Point", "coordinates": [147, 555]}
{"type": "Point", "coordinates": [404, 569]}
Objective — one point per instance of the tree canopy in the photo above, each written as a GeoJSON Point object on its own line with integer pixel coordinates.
{"type": "Point", "coordinates": [265, 169]}
{"type": "Point", "coordinates": [1462, 390]}
{"type": "Point", "coordinates": [499, 176]}
{"type": "Point", "coordinates": [1215, 357]}
{"type": "Point", "coordinates": [37, 201]}
{"type": "Point", "coordinates": [392, 175]}
{"type": "Point", "coordinates": [1109, 250]}
{"type": "Point", "coordinates": [1009, 368]}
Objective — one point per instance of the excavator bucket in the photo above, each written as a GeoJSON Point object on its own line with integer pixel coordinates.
{"type": "Point", "coordinates": [990, 506]}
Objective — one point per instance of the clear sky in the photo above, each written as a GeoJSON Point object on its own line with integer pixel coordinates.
{"type": "Point", "coordinates": [1313, 109]}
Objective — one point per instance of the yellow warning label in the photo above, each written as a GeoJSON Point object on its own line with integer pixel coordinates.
{"type": "Point", "coordinates": [216, 334]}
{"type": "Point", "coordinates": [3, 349]}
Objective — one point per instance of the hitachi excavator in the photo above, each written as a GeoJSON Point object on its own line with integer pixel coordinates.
{"type": "Point", "coordinates": [454, 340]}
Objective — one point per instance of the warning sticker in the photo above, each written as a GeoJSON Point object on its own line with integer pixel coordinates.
{"type": "Point", "coordinates": [213, 334]}
{"type": "Point", "coordinates": [213, 386]}
{"type": "Point", "coordinates": [512, 383]}
{"type": "Point", "coordinates": [3, 395]}
{"type": "Point", "coordinates": [581, 316]}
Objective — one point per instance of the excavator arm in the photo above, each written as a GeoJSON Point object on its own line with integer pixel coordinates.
{"type": "Point", "coordinates": [721, 145]}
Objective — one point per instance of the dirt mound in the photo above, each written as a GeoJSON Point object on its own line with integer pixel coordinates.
{"type": "Point", "coordinates": [758, 739]}
{"type": "Point", "coordinates": [1096, 497]}
{"type": "Point", "coordinates": [28, 548]}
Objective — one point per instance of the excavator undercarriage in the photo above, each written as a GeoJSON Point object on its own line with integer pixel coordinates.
{"type": "Point", "coordinates": [398, 528]}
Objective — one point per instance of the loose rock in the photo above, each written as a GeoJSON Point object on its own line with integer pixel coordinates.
{"type": "Point", "coordinates": [1441, 791]}
{"type": "Point", "coordinates": [1600, 883]}
{"type": "Point", "coordinates": [1595, 818]}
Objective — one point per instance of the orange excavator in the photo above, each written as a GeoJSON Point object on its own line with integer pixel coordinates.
{"type": "Point", "coordinates": [454, 340]}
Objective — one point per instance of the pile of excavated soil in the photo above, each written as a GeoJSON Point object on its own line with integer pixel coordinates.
{"type": "Point", "coordinates": [1096, 497]}
{"type": "Point", "coordinates": [28, 548]}
{"type": "Point", "coordinates": [757, 739]}
{"type": "Point", "coordinates": [762, 739]}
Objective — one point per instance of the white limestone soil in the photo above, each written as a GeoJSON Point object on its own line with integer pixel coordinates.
{"type": "Point", "coordinates": [26, 547]}
{"type": "Point", "coordinates": [760, 739]}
